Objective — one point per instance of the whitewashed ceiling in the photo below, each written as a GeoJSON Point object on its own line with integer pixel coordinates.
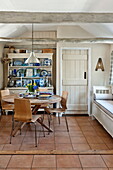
{"type": "Point", "coordinates": [57, 5]}
{"type": "Point", "coordinates": [96, 30]}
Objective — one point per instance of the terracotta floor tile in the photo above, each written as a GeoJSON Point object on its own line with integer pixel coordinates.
{"type": "Point", "coordinates": [18, 169]}
{"type": "Point", "coordinates": [43, 161]}
{"type": "Point", "coordinates": [16, 140]}
{"type": "Point", "coordinates": [43, 169]}
{"type": "Point", "coordinates": [101, 146]}
{"type": "Point", "coordinates": [78, 139]}
{"type": "Point", "coordinates": [47, 139]}
{"type": "Point", "coordinates": [79, 133]}
{"type": "Point", "coordinates": [109, 145]}
{"type": "Point", "coordinates": [69, 168]}
{"type": "Point", "coordinates": [60, 128]}
{"type": "Point", "coordinates": [28, 146]}
{"type": "Point", "coordinates": [62, 139]}
{"type": "Point", "coordinates": [81, 147]}
{"type": "Point", "coordinates": [3, 140]}
{"type": "Point", "coordinates": [68, 161]}
{"type": "Point", "coordinates": [11, 147]}
{"type": "Point", "coordinates": [86, 128]}
{"type": "Point", "coordinates": [66, 146]}
{"type": "Point", "coordinates": [102, 134]}
{"type": "Point", "coordinates": [46, 146]}
{"type": "Point", "coordinates": [89, 133]}
{"type": "Point", "coordinates": [58, 133]}
{"type": "Point", "coordinates": [4, 160]}
{"type": "Point", "coordinates": [76, 133]}
{"type": "Point", "coordinates": [92, 161]}
{"type": "Point", "coordinates": [20, 161]}
{"type": "Point", "coordinates": [108, 160]}
{"type": "Point", "coordinates": [84, 124]}
{"type": "Point", "coordinates": [1, 147]}
{"type": "Point", "coordinates": [94, 140]}
{"type": "Point", "coordinates": [29, 140]}
{"type": "Point", "coordinates": [95, 169]}
{"type": "Point", "coordinates": [108, 140]}
{"type": "Point", "coordinates": [74, 128]}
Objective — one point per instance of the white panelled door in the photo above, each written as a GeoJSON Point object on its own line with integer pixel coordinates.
{"type": "Point", "coordinates": [74, 79]}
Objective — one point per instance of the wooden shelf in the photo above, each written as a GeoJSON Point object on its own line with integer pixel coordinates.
{"type": "Point", "coordinates": [12, 67]}
{"type": "Point", "coordinates": [31, 77]}
{"type": "Point", "coordinates": [13, 57]}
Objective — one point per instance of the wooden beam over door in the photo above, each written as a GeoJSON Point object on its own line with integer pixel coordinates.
{"type": "Point", "coordinates": [38, 17]}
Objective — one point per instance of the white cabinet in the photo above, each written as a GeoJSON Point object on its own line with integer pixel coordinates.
{"type": "Point", "coordinates": [21, 74]}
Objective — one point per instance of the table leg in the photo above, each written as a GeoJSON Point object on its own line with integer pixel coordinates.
{"type": "Point", "coordinates": [16, 131]}
{"type": "Point", "coordinates": [45, 126]}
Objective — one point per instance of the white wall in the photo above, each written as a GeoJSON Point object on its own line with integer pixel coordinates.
{"type": "Point", "coordinates": [1, 66]}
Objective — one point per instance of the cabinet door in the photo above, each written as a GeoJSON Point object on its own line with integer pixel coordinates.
{"type": "Point", "coordinates": [74, 74]}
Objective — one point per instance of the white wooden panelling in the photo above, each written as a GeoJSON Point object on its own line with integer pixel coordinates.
{"type": "Point", "coordinates": [77, 107]}
{"type": "Point", "coordinates": [73, 82]}
{"type": "Point", "coordinates": [45, 34]}
{"type": "Point", "coordinates": [74, 64]}
{"type": "Point", "coordinates": [74, 57]}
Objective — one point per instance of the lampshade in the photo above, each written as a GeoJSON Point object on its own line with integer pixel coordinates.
{"type": "Point", "coordinates": [99, 65]}
{"type": "Point", "coordinates": [32, 58]}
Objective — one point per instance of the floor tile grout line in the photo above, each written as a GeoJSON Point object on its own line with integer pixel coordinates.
{"type": "Point", "coordinates": [23, 139]}
{"type": "Point", "coordinates": [9, 161]}
{"type": "Point", "coordinates": [80, 161]}
{"type": "Point", "coordinates": [104, 161]}
{"type": "Point", "coordinates": [71, 140]}
{"type": "Point", "coordinates": [32, 162]}
{"type": "Point", "coordinates": [102, 139]}
{"type": "Point", "coordinates": [97, 135]}
{"type": "Point", "coordinates": [84, 135]}
{"type": "Point", "coordinates": [54, 136]}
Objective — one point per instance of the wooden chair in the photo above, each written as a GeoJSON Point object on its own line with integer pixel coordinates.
{"type": "Point", "coordinates": [24, 115]}
{"type": "Point", "coordinates": [5, 107]}
{"type": "Point", "coordinates": [59, 110]}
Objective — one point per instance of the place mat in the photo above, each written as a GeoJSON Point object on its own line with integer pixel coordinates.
{"type": "Point", "coordinates": [30, 97]}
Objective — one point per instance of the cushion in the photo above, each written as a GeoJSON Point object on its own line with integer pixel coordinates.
{"type": "Point", "coordinates": [103, 96]}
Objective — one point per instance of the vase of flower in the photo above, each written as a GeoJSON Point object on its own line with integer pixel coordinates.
{"type": "Point", "coordinates": [30, 88]}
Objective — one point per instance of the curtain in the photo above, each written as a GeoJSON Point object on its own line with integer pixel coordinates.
{"type": "Point", "coordinates": [111, 70]}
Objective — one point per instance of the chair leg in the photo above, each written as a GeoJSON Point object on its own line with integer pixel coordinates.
{"type": "Point", "coordinates": [42, 126]}
{"type": "Point", "coordinates": [49, 121]}
{"type": "Point", "coordinates": [1, 115]}
{"type": "Point", "coordinates": [66, 122]}
{"type": "Point", "coordinates": [12, 128]}
{"type": "Point", "coordinates": [35, 136]}
{"type": "Point", "coordinates": [58, 118]}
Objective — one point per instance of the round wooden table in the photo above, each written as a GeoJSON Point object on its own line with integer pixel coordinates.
{"type": "Point", "coordinates": [38, 102]}
{"type": "Point", "coordinates": [33, 101]}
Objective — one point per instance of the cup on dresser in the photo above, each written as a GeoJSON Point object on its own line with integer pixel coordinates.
{"type": "Point", "coordinates": [21, 95]}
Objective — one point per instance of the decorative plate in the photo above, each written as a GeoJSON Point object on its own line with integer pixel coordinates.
{"type": "Point", "coordinates": [44, 73]}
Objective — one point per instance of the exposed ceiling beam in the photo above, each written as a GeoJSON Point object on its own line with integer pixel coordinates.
{"type": "Point", "coordinates": [55, 40]}
{"type": "Point", "coordinates": [38, 17]}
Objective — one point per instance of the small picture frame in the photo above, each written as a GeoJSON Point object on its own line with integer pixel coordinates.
{"type": "Point", "coordinates": [29, 72]}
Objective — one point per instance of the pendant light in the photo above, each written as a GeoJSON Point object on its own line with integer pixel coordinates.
{"type": "Point", "coordinates": [32, 58]}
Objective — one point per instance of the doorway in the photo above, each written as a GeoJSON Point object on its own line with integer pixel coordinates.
{"type": "Point", "coordinates": [75, 78]}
